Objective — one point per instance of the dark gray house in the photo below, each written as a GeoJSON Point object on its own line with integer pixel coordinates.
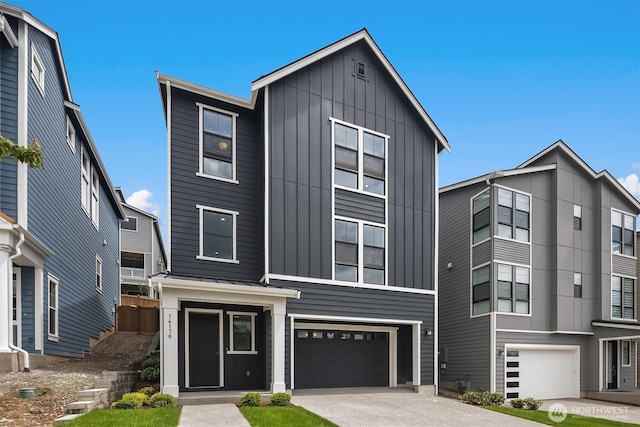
{"type": "Point", "coordinates": [303, 229]}
{"type": "Point", "coordinates": [538, 280]}
{"type": "Point", "coordinates": [59, 224]}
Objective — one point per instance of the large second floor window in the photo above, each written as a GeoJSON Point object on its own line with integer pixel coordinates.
{"type": "Point", "coordinates": [481, 290]}
{"type": "Point", "coordinates": [217, 234]}
{"type": "Point", "coordinates": [360, 158]}
{"type": "Point", "coordinates": [513, 289]}
{"type": "Point", "coordinates": [359, 252]}
{"type": "Point", "coordinates": [622, 233]}
{"type": "Point", "coordinates": [622, 297]}
{"type": "Point", "coordinates": [217, 143]}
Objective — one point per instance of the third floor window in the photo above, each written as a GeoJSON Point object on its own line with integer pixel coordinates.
{"type": "Point", "coordinates": [622, 233]}
{"type": "Point", "coordinates": [217, 144]}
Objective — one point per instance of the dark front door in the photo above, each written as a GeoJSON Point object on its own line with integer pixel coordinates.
{"type": "Point", "coordinates": [612, 364]}
{"type": "Point", "coordinates": [204, 349]}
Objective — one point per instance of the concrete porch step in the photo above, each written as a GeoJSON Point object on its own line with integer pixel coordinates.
{"type": "Point", "coordinates": [65, 419]}
{"type": "Point", "coordinates": [80, 407]}
{"type": "Point", "coordinates": [213, 397]}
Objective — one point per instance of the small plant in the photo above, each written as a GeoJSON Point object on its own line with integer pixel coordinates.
{"type": "Point", "coordinates": [153, 360]}
{"type": "Point", "coordinates": [280, 399]}
{"type": "Point", "coordinates": [162, 400]}
{"type": "Point", "coordinates": [251, 399]}
{"type": "Point", "coordinates": [130, 401]}
{"type": "Point", "coordinates": [151, 374]}
{"type": "Point", "coordinates": [149, 391]}
{"type": "Point", "coordinates": [531, 404]}
{"type": "Point", "coordinates": [483, 398]}
{"type": "Point", "coordinates": [517, 403]}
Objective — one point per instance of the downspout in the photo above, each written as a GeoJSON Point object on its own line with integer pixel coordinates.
{"type": "Point", "coordinates": [24, 352]}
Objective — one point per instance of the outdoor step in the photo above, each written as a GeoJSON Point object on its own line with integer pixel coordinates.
{"type": "Point", "coordinates": [65, 419]}
{"type": "Point", "coordinates": [204, 398]}
{"type": "Point", "coordinates": [92, 393]}
{"type": "Point", "coordinates": [80, 407]}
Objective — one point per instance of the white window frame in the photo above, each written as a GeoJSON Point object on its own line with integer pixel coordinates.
{"type": "Point", "coordinates": [473, 198]}
{"type": "Point", "coordinates": [36, 63]}
{"type": "Point", "coordinates": [491, 274]}
{"type": "Point", "coordinates": [622, 306]}
{"type": "Point", "coordinates": [71, 135]}
{"type": "Point", "coordinates": [253, 332]}
{"type": "Point", "coordinates": [623, 215]}
{"type": "Point", "coordinates": [514, 282]}
{"type": "Point", "coordinates": [95, 198]}
{"type": "Point", "coordinates": [361, 130]}
{"type": "Point", "coordinates": [53, 336]}
{"type": "Point", "coordinates": [85, 181]}
{"type": "Point", "coordinates": [622, 343]}
{"type": "Point", "coordinates": [495, 204]}
{"type": "Point", "coordinates": [234, 141]}
{"type": "Point", "coordinates": [98, 274]}
{"type": "Point", "coordinates": [127, 220]}
{"type": "Point", "coordinates": [361, 223]}
{"type": "Point", "coordinates": [201, 255]}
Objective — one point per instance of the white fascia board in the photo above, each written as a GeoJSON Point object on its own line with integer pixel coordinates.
{"type": "Point", "coordinates": [211, 93]}
{"type": "Point", "coordinates": [352, 319]}
{"type": "Point", "coordinates": [335, 47]}
{"type": "Point", "coordinates": [198, 285]}
{"type": "Point", "coordinates": [632, 326]}
{"type": "Point", "coordinates": [5, 28]}
{"type": "Point", "coordinates": [139, 211]}
{"type": "Point", "coordinates": [497, 174]}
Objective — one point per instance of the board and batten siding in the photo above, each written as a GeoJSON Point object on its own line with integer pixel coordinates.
{"type": "Point", "coordinates": [8, 125]}
{"type": "Point", "coordinates": [339, 301]}
{"type": "Point", "coordinates": [57, 219]}
{"type": "Point", "coordinates": [300, 169]}
{"type": "Point", "coordinates": [189, 190]}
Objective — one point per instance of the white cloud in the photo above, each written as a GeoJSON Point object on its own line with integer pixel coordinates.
{"type": "Point", "coordinates": [141, 199]}
{"type": "Point", "coordinates": [632, 184]}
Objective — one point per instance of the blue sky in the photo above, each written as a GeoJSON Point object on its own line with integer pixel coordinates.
{"type": "Point", "coordinates": [502, 80]}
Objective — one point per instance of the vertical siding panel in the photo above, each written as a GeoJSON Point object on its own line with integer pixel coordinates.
{"type": "Point", "coordinates": [302, 231]}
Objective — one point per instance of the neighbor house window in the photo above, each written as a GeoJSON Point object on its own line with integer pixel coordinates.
{"type": "Point", "coordinates": [85, 181]}
{"type": "Point", "coordinates": [622, 233]}
{"type": "Point", "coordinates": [217, 234]}
{"type": "Point", "coordinates": [622, 297]}
{"type": "Point", "coordinates": [130, 223]}
{"type": "Point", "coordinates": [482, 217]}
{"type": "Point", "coordinates": [513, 215]}
{"type": "Point", "coordinates": [37, 69]}
{"type": "Point", "coordinates": [359, 252]}
{"type": "Point", "coordinates": [626, 353]}
{"type": "Point", "coordinates": [217, 143]}
{"type": "Point", "coordinates": [481, 290]}
{"type": "Point", "coordinates": [360, 158]}
{"type": "Point", "coordinates": [53, 308]}
{"type": "Point", "coordinates": [95, 197]}
{"type": "Point", "coordinates": [98, 274]}
{"type": "Point", "coordinates": [577, 285]}
{"type": "Point", "coordinates": [71, 135]}
{"type": "Point", "coordinates": [513, 289]}
{"type": "Point", "coordinates": [242, 333]}
{"type": "Point", "coordinates": [577, 217]}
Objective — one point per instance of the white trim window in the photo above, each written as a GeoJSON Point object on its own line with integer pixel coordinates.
{"type": "Point", "coordinates": [95, 198]}
{"type": "Point", "coordinates": [513, 223]}
{"type": "Point", "coordinates": [85, 181]}
{"type": "Point", "coordinates": [360, 251]}
{"type": "Point", "coordinates": [513, 289]}
{"type": "Point", "coordinates": [53, 290]}
{"type": "Point", "coordinates": [626, 353]}
{"type": "Point", "coordinates": [37, 70]}
{"type": "Point", "coordinates": [242, 333]}
{"type": "Point", "coordinates": [217, 234]}
{"type": "Point", "coordinates": [622, 297]}
{"type": "Point", "coordinates": [360, 161]}
{"type": "Point", "coordinates": [577, 217]}
{"type": "Point", "coordinates": [481, 290]}
{"type": "Point", "coordinates": [622, 233]}
{"type": "Point", "coordinates": [481, 214]}
{"type": "Point", "coordinates": [71, 135]}
{"type": "Point", "coordinates": [217, 143]}
{"type": "Point", "coordinates": [98, 274]}
{"type": "Point", "coordinates": [577, 285]}
{"type": "Point", "coordinates": [130, 224]}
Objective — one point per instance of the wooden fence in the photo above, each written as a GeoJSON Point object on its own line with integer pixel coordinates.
{"type": "Point", "coordinates": [144, 320]}
{"type": "Point", "coordinates": [139, 301]}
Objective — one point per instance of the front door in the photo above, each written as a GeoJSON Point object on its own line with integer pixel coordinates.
{"type": "Point", "coordinates": [612, 364]}
{"type": "Point", "coordinates": [204, 348]}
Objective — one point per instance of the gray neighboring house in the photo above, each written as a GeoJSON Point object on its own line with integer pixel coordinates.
{"type": "Point", "coordinates": [59, 239]}
{"type": "Point", "coordinates": [142, 251]}
{"type": "Point", "coordinates": [302, 229]}
{"type": "Point", "coordinates": [538, 280]}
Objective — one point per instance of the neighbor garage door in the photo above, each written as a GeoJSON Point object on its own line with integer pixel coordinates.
{"type": "Point", "coordinates": [542, 373]}
{"type": "Point", "coordinates": [335, 358]}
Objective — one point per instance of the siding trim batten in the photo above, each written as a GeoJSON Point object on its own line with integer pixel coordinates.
{"type": "Point", "coordinates": [267, 246]}
{"type": "Point", "coordinates": [169, 118]}
{"type": "Point", "coordinates": [23, 114]}
{"type": "Point", "coordinates": [436, 277]}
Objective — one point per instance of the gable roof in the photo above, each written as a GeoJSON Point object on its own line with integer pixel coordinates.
{"type": "Point", "coordinates": [364, 35]}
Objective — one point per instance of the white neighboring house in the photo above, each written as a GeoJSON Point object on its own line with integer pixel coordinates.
{"type": "Point", "coordinates": [141, 249]}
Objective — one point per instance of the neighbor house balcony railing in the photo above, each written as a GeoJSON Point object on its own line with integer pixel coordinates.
{"type": "Point", "coordinates": [132, 272]}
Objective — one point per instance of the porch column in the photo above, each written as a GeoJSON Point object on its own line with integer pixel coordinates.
{"type": "Point", "coordinates": [5, 303]}
{"type": "Point", "coordinates": [278, 348]}
{"type": "Point", "coordinates": [169, 345]}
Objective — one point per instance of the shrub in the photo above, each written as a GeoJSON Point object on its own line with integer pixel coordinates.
{"type": "Point", "coordinates": [162, 400]}
{"type": "Point", "coordinates": [517, 403]}
{"type": "Point", "coordinates": [251, 399]}
{"type": "Point", "coordinates": [484, 398]}
{"type": "Point", "coordinates": [148, 391]}
{"type": "Point", "coordinates": [151, 374]}
{"type": "Point", "coordinates": [153, 360]}
{"type": "Point", "coordinates": [532, 404]}
{"type": "Point", "coordinates": [280, 399]}
{"type": "Point", "coordinates": [130, 401]}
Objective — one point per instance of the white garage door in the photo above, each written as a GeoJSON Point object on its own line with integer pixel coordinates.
{"type": "Point", "coordinates": [542, 373]}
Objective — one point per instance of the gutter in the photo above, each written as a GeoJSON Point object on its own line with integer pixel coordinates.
{"type": "Point", "coordinates": [11, 345]}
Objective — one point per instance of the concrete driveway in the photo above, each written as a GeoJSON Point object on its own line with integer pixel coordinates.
{"type": "Point", "coordinates": [363, 407]}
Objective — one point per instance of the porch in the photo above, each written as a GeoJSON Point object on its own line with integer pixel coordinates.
{"type": "Point", "coordinates": [627, 397]}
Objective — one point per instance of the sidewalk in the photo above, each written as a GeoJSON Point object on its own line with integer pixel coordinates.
{"type": "Point", "coordinates": [219, 414]}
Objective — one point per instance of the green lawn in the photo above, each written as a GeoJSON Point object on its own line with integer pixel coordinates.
{"type": "Point", "coordinates": [570, 421]}
{"type": "Point", "coordinates": [283, 416]}
{"type": "Point", "coordinates": [160, 417]}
